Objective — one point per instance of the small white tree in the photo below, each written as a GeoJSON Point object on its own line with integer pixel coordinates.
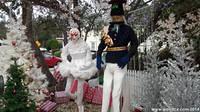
{"type": "Point", "coordinates": [18, 46]}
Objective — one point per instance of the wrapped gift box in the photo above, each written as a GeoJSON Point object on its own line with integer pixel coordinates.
{"type": "Point", "coordinates": [85, 88]}
{"type": "Point", "coordinates": [138, 109]}
{"type": "Point", "coordinates": [48, 106]}
{"type": "Point", "coordinates": [57, 75]}
{"type": "Point", "coordinates": [98, 95]}
{"type": "Point", "coordinates": [60, 97]}
{"type": "Point", "coordinates": [89, 94]}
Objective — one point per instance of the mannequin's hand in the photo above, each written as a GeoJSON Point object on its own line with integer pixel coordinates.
{"type": "Point", "coordinates": [99, 62]}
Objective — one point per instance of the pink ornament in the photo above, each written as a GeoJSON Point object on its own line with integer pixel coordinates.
{"type": "Point", "coordinates": [14, 92]}
{"type": "Point", "coordinates": [45, 91]}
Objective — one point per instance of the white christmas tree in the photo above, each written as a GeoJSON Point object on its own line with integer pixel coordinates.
{"type": "Point", "coordinates": [151, 97]}
{"type": "Point", "coordinates": [18, 46]}
{"type": "Point", "coordinates": [38, 83]}
{"type": "Point", "coordinates": [181, 83]}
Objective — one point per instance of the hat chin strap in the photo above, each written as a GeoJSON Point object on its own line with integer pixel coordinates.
{"type": "Point", "coordinates": [118, 18]}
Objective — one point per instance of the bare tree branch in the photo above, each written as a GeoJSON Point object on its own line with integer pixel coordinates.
{"type": "Point", "coordinates": [132, 3]}
{"type": "Point", "coordinates": [137, 4]}
{"type": "Point", "coordinates": [7, 10]}
{"type": "Point", "coordinates": [51, 4]}
{"type": "Point", "coordinates": [27, 9]}
{"type": "Point", "coordinates": [145, 3]}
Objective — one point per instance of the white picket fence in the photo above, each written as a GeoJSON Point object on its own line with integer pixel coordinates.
{"type": "Point", "coordinates": [135, 89]}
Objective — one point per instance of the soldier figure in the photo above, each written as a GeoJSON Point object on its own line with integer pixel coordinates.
{"type": "Point", "coordinates": [116, 42]}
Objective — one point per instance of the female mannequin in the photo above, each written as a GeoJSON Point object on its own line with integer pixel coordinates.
{"type": "Point", "coordinates": [80, 67]}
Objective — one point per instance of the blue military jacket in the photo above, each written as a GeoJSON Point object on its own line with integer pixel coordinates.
{"type": "Point", "coordinates": [121, 35]}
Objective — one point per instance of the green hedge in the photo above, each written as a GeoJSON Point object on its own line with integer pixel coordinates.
{"type": "Point", "coordinates": [53, 44]}
{"type": "Point", "coordinates": [57, 53]}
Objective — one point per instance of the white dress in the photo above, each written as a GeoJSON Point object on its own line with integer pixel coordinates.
{"type": "Point", "coordinates": [81, 65]}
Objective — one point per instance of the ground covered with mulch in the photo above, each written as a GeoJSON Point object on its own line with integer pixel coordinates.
{"type": "Point", "coordinates": [72, 107]}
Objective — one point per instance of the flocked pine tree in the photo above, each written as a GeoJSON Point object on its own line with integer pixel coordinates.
{"type": "Point", "coordinates": [18, 46]}
{"type": "Point", "coordinates": [151, 97]}
{"type": "Point", "coordinates": [16, 97]}
{"type": "Point", "coordinates": [181, 83]}
{"type": "Point", "coordinates": [182, 86]}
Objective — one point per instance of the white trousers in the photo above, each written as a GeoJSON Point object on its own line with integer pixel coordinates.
{"type": "Point", "coordinates": [79, 92]}
{"type": "Point", "coordinates": [113, 78]}
{"type": "Point", "coordinates": [68, 84]}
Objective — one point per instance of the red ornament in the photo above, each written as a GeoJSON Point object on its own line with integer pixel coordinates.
{"type": "Point", "coordinates": [14, 42]}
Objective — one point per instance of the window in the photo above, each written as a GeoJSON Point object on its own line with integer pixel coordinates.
{"type": "Point", "coordinates": [92, 45]}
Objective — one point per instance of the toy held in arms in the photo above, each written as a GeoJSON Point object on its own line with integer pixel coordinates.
{"type": "Point", "coordinates": [107, 39]}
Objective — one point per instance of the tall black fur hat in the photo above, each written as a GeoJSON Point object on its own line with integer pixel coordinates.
{"type": "Point", "coordinates": [117, 1]}
{"type": "Point", "coordinates": [117, 7]}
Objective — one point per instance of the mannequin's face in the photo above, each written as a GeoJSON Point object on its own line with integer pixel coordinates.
{"type": "Point", "coordinates": [74, 36]}
{"type": "Point", "coordinates": [117, 18]}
